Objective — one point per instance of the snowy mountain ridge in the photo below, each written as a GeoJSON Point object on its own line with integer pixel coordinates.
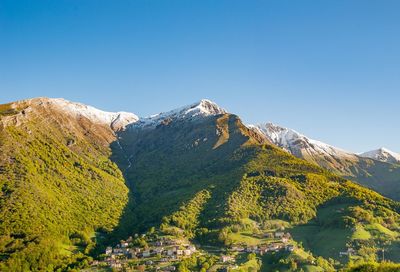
{"type": "Point", "coordinates": [288, 139]}
{"type": "Point", "coordinates": [203, 108]}
{"type": "Point", "coordinates": [382, 154]}
{"type": "Point", "coordinates": [116, 120]}
{"type": "Point", "coordinates": [302, 146]}
{"type": "Point", "coordinates": [120, 120]}
{"type": "Point", "coordinates": [297, 143]}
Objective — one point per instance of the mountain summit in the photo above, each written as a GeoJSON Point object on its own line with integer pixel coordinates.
{"type": "Point", "coordinates": [299, 144]}
{"type": "Point", "coordinates": [382, 154]}
{"type": "Point", "coordinates": [203, 108]}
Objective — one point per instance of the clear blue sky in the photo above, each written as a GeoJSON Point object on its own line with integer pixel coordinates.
{"type": "Point", "coordinates": [329, 69]}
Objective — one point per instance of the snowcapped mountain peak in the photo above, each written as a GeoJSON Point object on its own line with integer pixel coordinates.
{"type": "Point", "coordinates": [203, 108]}
{"type": "Point", "coordinates": [382, 154]}
{"type": "Point", "coordinates": [297, 143]}
{"type": "Point", "coordinates": [207, 107]}
{"type": "Point", "coordinates": [280, 135]}
{"type": "Point", "coordinates": [116, 120]}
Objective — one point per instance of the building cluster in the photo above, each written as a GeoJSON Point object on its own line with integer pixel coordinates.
{"type": "Point", "coordinates": [281, 243]}
{"type": "Point", "coordinates": [350, 251]}
{"type": "Point", "coordinates": [160, 250]}
{"type": "Point", "coordinates": [264, 248]}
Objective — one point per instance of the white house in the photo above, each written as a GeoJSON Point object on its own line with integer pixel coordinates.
{"type": "Point", "coordinates": [109, 250]}
{"type": "Point", "coordinates": [146, 254]}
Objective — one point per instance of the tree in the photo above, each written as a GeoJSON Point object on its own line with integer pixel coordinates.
{"type": "Point", "coordinates": [251, 256]}
{"type": "Point", "coordinates": [293, 265]}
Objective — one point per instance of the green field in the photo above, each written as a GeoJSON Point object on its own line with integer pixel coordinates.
{"type": "Point", "coordinates": [324, 236]}
{"type": "Point", "coordinates": [361, 234]}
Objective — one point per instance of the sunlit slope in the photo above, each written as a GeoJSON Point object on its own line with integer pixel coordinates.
{"type": "Point", "coordinates": [58, 185]}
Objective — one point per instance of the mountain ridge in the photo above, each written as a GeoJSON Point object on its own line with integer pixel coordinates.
{"type": "Point", "coordinates": [73, 184]}
{"type": "Point", "coordinates": [382, 154]}
{"type": "Point", "coordinates": [375, 170]}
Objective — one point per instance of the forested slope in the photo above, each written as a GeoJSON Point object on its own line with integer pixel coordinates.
{"type": "Point", "coordinates": [58, 186]}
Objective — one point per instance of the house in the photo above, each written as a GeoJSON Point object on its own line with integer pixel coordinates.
{"type": "Point", "coordinates": [237, 249]}
{"type": "Point", "coordinates": [187, 252]}
{"type": "Point", "coordinates": [226, 258]}
{"type": "Point", "coordinates": [146, 254]}
{"type": "Point", "coordinates": [124, 244]}
{"type": "Point", "coordinates": [109, 250]}
{"type": "Point", "coordinates": [192, 248]}
{"type": "Point", "coordinates": [170, 252]}
{"type": "Point", "coordinates": [269, 235]}
{"type": "Point", "coordinates": [158, 250]}
{"type": "Point", "coordinates": [290, 248]}
{"type": "Point", "coordinates": [115, 265]}
{"type": "Point", "coordinates": [348, 252]}
{"type": "Point", "coordinates": [168, 241]}
{"type": "Point", "coordinates": [179, 252]}
{"type": "Point", "coordinates": [263, 249]}
{"type": "Point", "coordinates": [169, 268]}
{"type": "Point", "coordinates": [279, 234]}
{"type": "Point", "coordinates": [134, 250]}
{"type": "Point", "coordinates": [351, 251]}
{"type": "Point", "coordinates": [273, 247]}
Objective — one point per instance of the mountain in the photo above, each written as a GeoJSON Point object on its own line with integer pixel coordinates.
{"type": "Point", "coordinates": [73, 183]}
{"type": "Point", "coordinates": [382, 154]}
{"type": "Point", "coordinates": [217, 181]}
{"type": "Point", "coordinates": [58, 185]}
{"type": "Point", "coordinates": [197, 110]}
{"type": "Point", "coordinates": [115, 120]}
{"type": "Point", "coordinates": [373, 169]}
{"type": "Point", "coordinates": [304, 147]}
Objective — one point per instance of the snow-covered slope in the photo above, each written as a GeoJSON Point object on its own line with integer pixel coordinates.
{"type": "Point", "coordinates": [298, 144]}
{"type": "Point", "coordinates": [200, 109]}
{"type": "Point", "coordinates": [382, 154]}
{"type": "Point", "coordinates": [116, 120]}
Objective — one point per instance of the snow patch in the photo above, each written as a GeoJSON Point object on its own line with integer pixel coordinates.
{"type": "Point", "coordinates": [200, 109]}
{"type": "Point", "coordinates": [297, 143]}
{"type": "Point", "coordinates": [382, 154]}
{"type": "Point", "coordinates": [116, 120]}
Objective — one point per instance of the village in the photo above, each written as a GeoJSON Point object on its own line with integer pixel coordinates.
{"type": "Point", "coordinates": [158, 252]}
{"type": "Point", "coordinates": [147, 252]}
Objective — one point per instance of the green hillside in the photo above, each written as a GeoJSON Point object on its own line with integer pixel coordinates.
{"type": "Point", "coordinates": [58, 187]}
{"type": "Point", "coordinates": [380, 176]}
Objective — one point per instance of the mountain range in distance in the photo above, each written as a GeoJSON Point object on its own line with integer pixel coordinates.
{"type": "Point", "coordinates": [77, 180]}
{"type": "Point", "coordinates": [377, 169]}
{"type": "Point", "coordinates": [286, 138]}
